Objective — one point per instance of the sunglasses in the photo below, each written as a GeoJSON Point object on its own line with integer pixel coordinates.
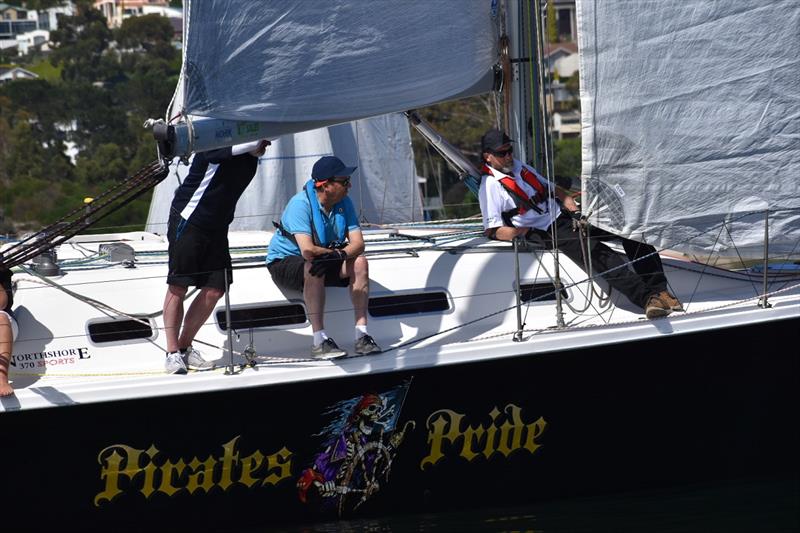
{"type": "Point", "coordinates": [502, 153]}
{"type": "Point", "coordinates": [344, 181]}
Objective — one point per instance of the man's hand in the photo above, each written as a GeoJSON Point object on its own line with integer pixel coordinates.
{"type": "Point", "coordinates": [569, 203]}
{"type": "Point", "coordinates": [322, 263]}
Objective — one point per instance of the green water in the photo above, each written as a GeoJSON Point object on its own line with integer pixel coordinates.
{"type": "Point", "coordinates": [742, 506]}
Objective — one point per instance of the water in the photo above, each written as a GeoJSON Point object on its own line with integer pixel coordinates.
{"type": "Point", "coordinates": [742, 506]}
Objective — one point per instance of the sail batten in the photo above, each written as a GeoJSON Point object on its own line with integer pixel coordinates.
{"type": "Point", "coordinates": [689, 120]}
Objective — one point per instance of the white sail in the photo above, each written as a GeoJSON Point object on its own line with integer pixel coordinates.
{"type": "Point", "coordinates": [320, 62]}
{"type": "Point", "coordinates": [690, 118]}
{"type": "Point", "coordinates": [384, 187]}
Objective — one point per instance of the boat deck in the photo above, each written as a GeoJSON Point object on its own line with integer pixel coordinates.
{"type": "Point", "coordinates": [438, 297]}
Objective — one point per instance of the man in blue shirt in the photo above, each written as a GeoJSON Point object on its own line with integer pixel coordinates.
{"type": "Point", "coordinates": [319, 243]}
{"type": "Point", "coordinates": [201, 211]}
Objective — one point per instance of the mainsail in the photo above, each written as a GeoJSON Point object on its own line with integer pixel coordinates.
{"type": "Point", "coordinates": [690, 119]}
{"type": "Point", "coordinates": [299, 65]}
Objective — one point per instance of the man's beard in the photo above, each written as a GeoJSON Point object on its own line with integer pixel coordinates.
{"type": "Point", "coordinates": [505, 169]}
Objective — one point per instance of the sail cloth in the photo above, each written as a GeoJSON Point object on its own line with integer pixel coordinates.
{"type": "Point", "coordinates": [384, 186]}
{"type": "Point", "coordinates": [322, 62]}
{"type": "Point", "coordinates": [691, 117]}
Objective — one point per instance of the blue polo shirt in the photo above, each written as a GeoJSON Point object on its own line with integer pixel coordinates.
{"type": "Point", "coordinates": [296, 218]}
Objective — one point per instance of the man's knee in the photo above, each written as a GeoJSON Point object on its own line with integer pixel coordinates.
{"type": "Point", "coordinates": [177, 290]}
{"type": "Point", "coordinates": [212, 293]}
{"type": "Point", "coordinates": [360, 263]}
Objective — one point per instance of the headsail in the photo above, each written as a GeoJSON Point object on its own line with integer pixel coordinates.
{"type": "Point", "coordinates": [690, 118]}
{"type": "Point", "coordinates": [309, 64]}
{"type": "Point", "coordinates": [384, 186]}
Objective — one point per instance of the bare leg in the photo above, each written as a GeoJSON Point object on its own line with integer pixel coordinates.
{"type": "Point", "coordinates": [358, 270]}
{"type": "Point", "coordinates": [173, 315]}
{"type": "Point", "coordinates": [198, 313]}
{"type": "Point", "coordinates": [6, 343]}
{"type": "Point", "coordinates": [314, 295]}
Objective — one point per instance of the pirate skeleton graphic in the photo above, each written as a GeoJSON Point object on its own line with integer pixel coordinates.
{"type": "Point", "coordinates": [358, 453]}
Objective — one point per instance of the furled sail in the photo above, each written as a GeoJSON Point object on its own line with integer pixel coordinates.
{"type": "Point", "coordinates": [308, 64]}
{"type": "Point", "coordinates": [691, 118]}
{"type": "Point", "coordinates": [384, 186]}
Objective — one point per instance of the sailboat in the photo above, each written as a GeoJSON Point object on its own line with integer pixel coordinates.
{"type": "Point", "coordinates": [508, 374]}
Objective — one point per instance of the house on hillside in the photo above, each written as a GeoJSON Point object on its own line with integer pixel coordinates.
{"type": "Point", "coordinates": [566, 21]}
{"type": "Point", "coordinates": [27, 29]}
{"type": "Point", "coordinates": [115, 11]}
{"type": "Point", "coordinates": [16, 73]}
{"type": "Point", "coordinates": [15, 21]}
{"type": "Point", "coordinates": [561, 59]}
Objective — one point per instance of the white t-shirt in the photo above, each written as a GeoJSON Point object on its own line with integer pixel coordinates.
{"type": "Point", "coordinates": [495, 200]}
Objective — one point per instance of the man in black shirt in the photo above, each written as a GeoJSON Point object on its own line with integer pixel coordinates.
{"type": "Point", "coordinates": [201, 211]}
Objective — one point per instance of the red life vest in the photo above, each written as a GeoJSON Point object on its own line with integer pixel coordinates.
{"type": "Point", "coordinates": [520, 197]}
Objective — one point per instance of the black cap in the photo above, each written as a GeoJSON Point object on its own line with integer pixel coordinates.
{"type": "Point", "coordinates": [330, 166]}
{"type": "Point", "coordinates": [494, 139]}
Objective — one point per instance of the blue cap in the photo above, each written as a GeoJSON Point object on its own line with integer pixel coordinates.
{"type": "Point", "coordinates": [329, 167]}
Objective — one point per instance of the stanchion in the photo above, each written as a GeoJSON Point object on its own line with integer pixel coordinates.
{"type": "Point", "coordinates": [229, 369]}
{"type": "Point", "coordinates": [762, 302]}
{"type": "Point", "coordinates": [518, 334]}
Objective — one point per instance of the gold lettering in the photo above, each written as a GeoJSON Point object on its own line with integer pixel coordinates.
{"type": "Point", "coordinates": [250, 464]}
{"type": "Point", "coordinates": [203, 478]}
{"type": "Point", "coordinates": [447, 420]}
{"type": "Point", "coordinates": [149, 483]}
{"type": "Point", "coordinates": [280, 461]}
{"type": "Point", "coordinates": [500, 436]}
{"type": "Point", "coordinates": [469, 434]}
{"type": "Point", "coordinates": [534, 430]}
{"type": "Point", "coordinates": [126, 469]}
{"type": "Point", "coordinates": [166, 476]}
{"type": "Point", "coordinates": [229, 459]}
{"type": "Point", "coordinates": [489, 449]}
{"type": "Point", "coordinates": [112, 469]}
{"type": "Point", "coordinates": [511, 432]}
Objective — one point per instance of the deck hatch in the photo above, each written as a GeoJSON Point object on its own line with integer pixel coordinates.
{"type": "Point", "coordinates": [263, 316]}
{"type": "Point", "coordinates": [409, 304]}
{"type": "Point", "coordinates": [119, 330]}
{"type": "Point", "coordinates": [540, 292]}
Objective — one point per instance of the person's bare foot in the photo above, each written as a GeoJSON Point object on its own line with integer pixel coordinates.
{"type": "Point", "coordinates": [5, 389]}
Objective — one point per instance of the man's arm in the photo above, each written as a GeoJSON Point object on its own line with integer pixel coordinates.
{"type": "Point", "coordinates": [355, 243]}
{"type": "Point", "coordinates": [505, 233]}
{"type": "Point", "coordinates": [566, 199]}
{"type": "Point", "coordinates": [307, 247]}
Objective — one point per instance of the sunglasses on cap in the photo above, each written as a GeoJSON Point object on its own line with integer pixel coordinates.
{"type": "Point", "coordinates": [502, 153]}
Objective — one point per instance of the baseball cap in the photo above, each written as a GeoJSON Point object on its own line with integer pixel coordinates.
{"type": "Point", "coordinates": [494, 139]}
{"type": "Point", "coordinates": [328, 167]}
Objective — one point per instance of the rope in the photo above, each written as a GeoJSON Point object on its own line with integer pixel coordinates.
{"type": "Point", "coordinates": [84, 217]}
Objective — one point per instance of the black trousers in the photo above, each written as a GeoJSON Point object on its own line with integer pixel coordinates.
{"type": "Point", "coordinates": [646, 278]}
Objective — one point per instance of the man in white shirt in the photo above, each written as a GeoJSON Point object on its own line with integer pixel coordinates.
{"type": "Point", "coordinates": [515, 201]}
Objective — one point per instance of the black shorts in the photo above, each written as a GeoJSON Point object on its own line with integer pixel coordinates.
{"type": "Point", "coordinates": [289, 273]}
{"type": "Point", "coordinates": [197, 257]}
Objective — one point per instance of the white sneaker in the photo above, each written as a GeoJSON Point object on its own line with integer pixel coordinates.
{"type": "Point", "coordinates": [173, 364]}
{"type": "Point", "coordinates": [194, 360]}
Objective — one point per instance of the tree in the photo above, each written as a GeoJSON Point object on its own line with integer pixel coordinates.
{"type": "Point", "coordinates": [567, 160]}
{"type": "Point", "coordinates": [151, 34]}
{"type": "Point", "coordinates": [552, 27]}
{"type": "Point", "coordinates": [80, 43]}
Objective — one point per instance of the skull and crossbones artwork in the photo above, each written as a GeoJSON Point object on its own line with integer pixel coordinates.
{"type": "Point", "coordinates": [360, 446]}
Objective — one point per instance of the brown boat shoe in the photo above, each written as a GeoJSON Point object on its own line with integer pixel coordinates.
{"type": "Point", "coordinates": [656, 307]}
{"type": "Point", "coordinates": [673, 303]}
